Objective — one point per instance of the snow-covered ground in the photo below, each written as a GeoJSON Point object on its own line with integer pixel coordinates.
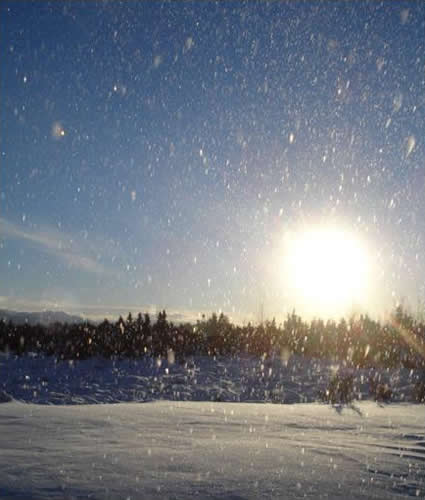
{"type": "Point", "coordinates": [179, 450]}
{"type": "Point", "coordinates": [189, 446]}
{"type": "Point", "coordinates": [44, 380]}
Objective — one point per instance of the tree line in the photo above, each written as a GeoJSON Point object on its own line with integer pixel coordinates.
{"type": "Point", "coordinates": [361, 340]}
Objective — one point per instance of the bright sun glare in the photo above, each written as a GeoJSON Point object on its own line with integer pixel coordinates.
{"type": "Point", "coordinates": [327, 270]}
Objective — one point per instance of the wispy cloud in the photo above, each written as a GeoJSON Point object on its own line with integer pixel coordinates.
{"type": "Point", "coordinates": [56, 243]}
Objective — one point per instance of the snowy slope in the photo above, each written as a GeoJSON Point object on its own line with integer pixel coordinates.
{"type": "Point", "coordinates": [182, 450]}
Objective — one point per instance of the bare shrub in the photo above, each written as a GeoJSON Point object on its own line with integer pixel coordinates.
{"type": "Point", "coordinates": [340, 390]}
{"type": "Point", "coordinates": [419, 391]}
{"type": "Point", "coordinates": [379, 391]}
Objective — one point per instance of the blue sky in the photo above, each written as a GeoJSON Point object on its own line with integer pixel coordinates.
{"type": "Point", "coordinates": [153, 154]}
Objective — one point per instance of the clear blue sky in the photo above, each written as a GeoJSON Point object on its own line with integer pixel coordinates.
{"type": "Point", "coordinates": [153, 153]}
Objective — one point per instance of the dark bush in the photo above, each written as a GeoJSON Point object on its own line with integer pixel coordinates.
{"type": "Point", "coordinates": [380, 391]}
{"type": "Point", "coordinates": [419, 392]}
{"type": "Point", "coordinates": [340, 390]}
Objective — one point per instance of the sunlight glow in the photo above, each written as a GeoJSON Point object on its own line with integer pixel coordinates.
{"type": "Point", "coordinates": [327, 269]}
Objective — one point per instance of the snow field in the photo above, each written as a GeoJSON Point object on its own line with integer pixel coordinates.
{"type": "Point", "coordinates": [45, 380]}
{"type": "Point", "coordinates": [181, 450]}
{"type": "Point", "coordinates": [195, 436]}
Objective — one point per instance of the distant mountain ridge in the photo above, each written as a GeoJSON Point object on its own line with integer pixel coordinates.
{"type": "Point", "coordinates": [42, 317]}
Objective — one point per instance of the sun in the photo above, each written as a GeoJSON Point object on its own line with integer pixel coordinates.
{"type": "Point", "coordinates": [326, 269]}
